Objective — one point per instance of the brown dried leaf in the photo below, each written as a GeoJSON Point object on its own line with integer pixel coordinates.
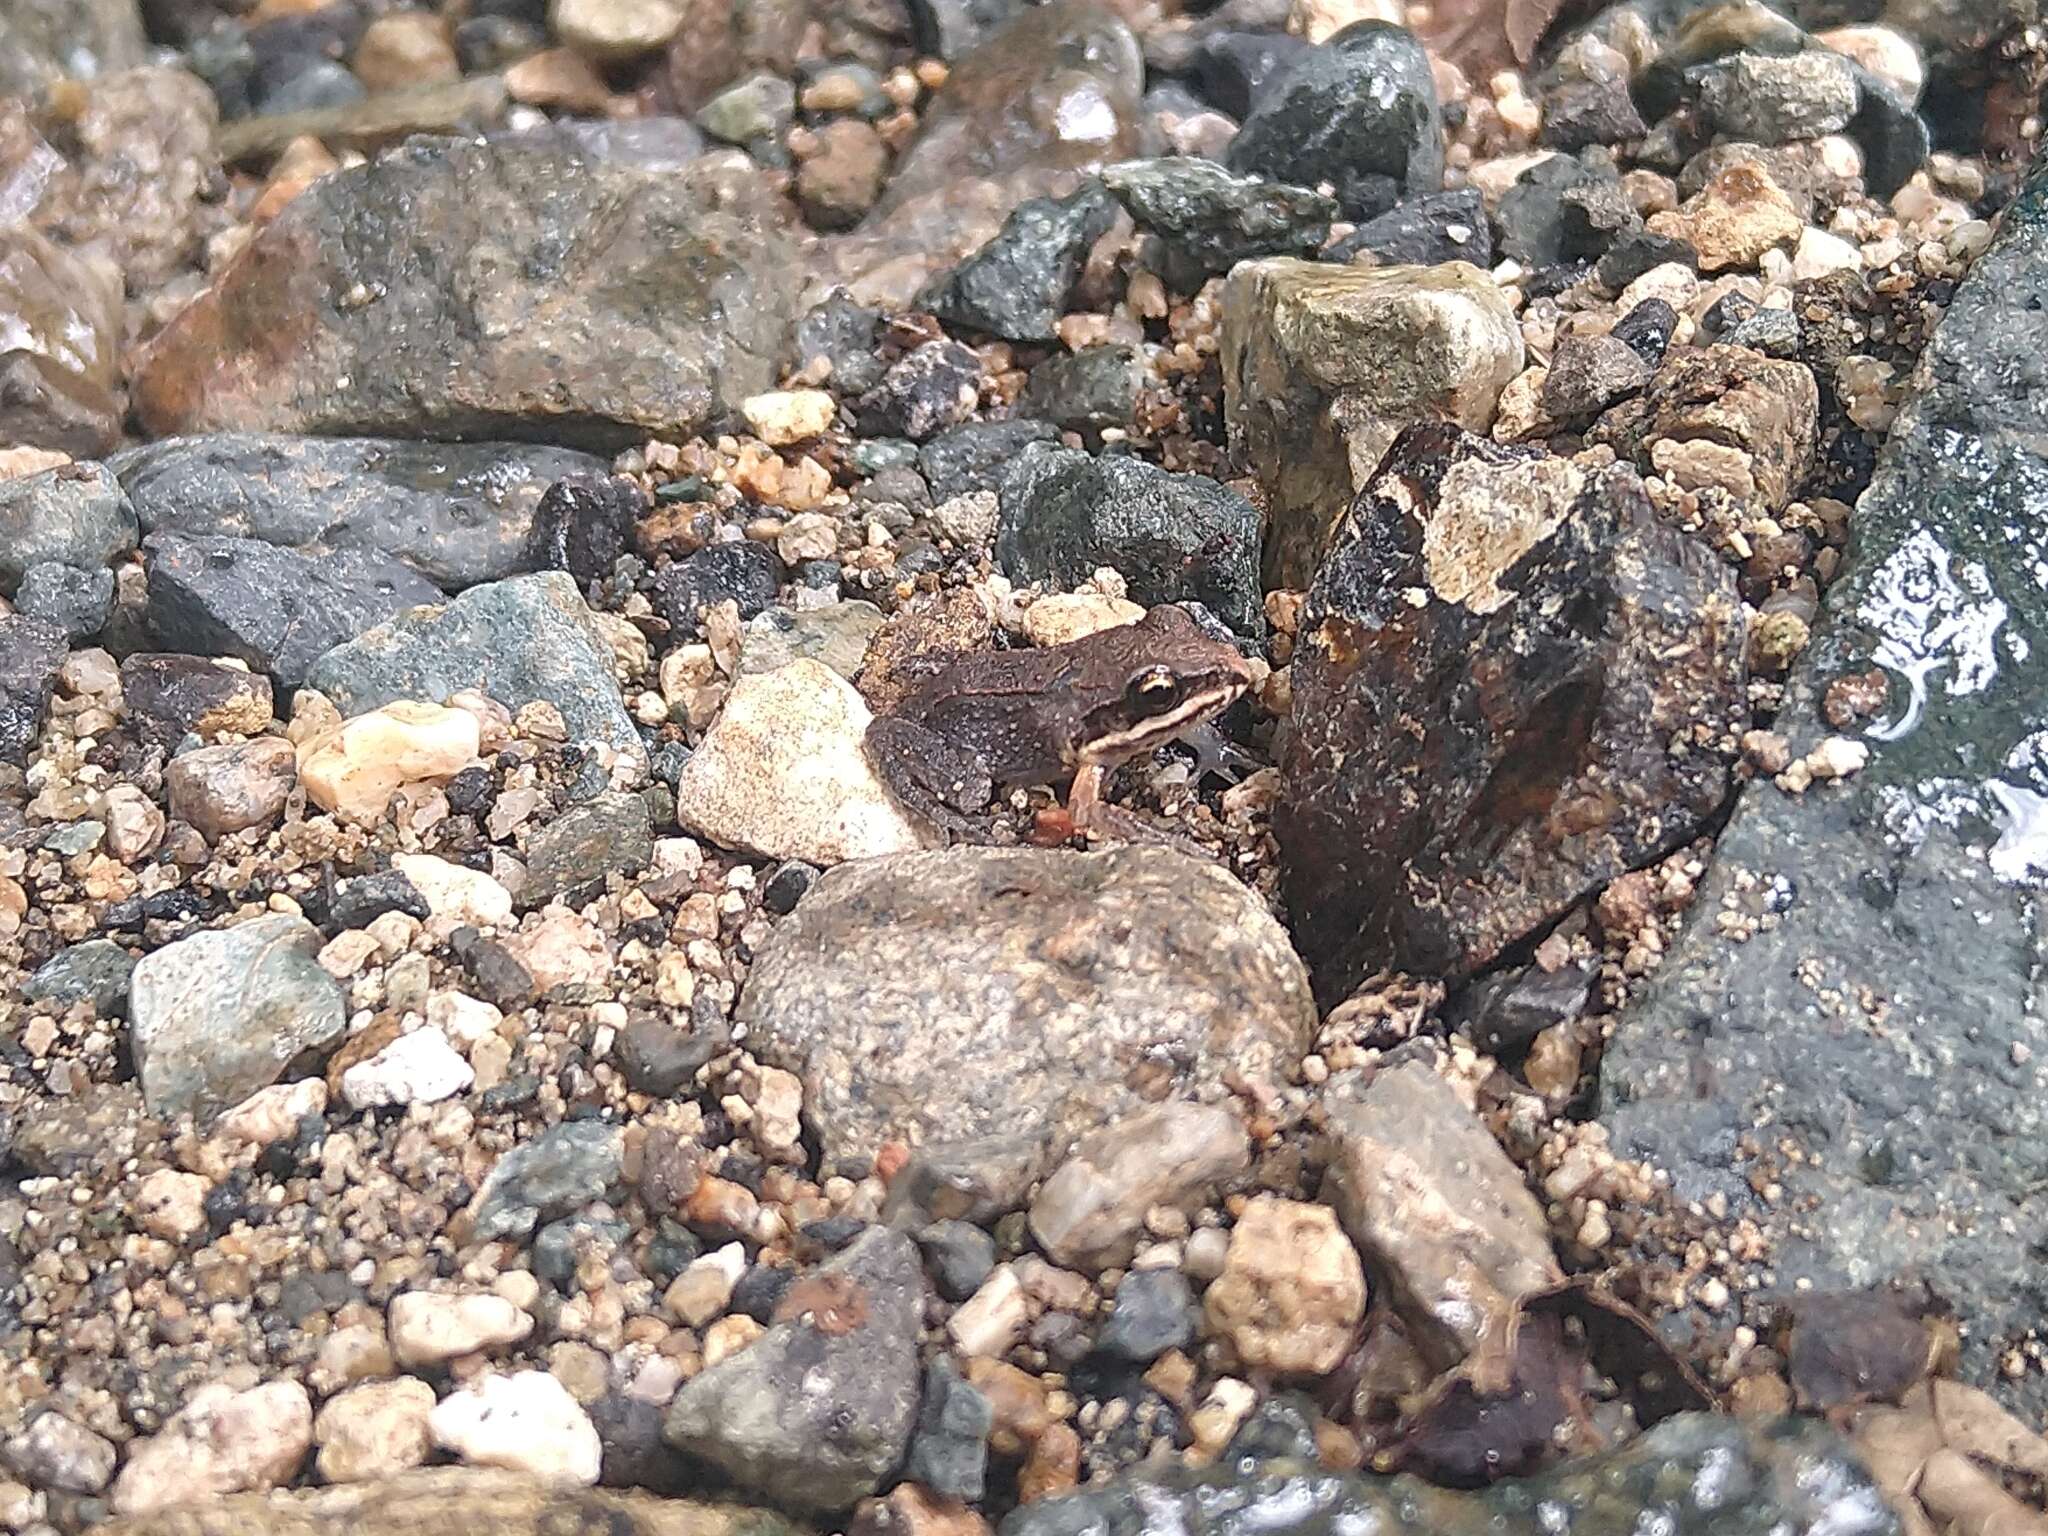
{"type": "Point", "coordinates": [1473, 1431]}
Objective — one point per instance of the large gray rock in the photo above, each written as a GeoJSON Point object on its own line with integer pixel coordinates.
{"type": "Point", "coordinates": [276, 609]}
{"type": "Point", "coordinates": [526, 639]}
{"type": "Point", "coordinates": [564, 1167]}
{"type": "Point", "coordinates": [31, 651]}
{"type": "Point", "coordinates": [573, 299]}
{"type": "Point", "coordinates": [73, 515]}
{"type": "Point", "coordinates": [456, 512]}
{"type": "Point", "coordinates": [816, 1412]}
{"type": "Point", "coordinates": [223, 1013]}
{"type": "Point", "coordinates": [1864, 976]}
{"type": "Point", "coordinates": [1020, 996]}
{"type": "Point", "coordinates": [1693, 1475]}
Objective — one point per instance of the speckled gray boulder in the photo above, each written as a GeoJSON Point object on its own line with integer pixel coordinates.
{"type": "Point", "coordinates": [1024, 995]}
{"type": "Point", "coordinates": [74, 514]}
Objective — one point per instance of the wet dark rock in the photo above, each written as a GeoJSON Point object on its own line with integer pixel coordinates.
{"type": "Point", "coordinates": [1175, 537]}
{"type": "Point", "coordinates": [740, 571]}
{"type": "Point", "coordinates": [1589, 373]}
{"type": "Point", "coordinates": [949, 1449]}
{"type": "Point", "coordinates": [591, 302]}
{"type": "Point", "coordinates": [60, 375]}
{"type": "Point", "coordinates": [1423, 231]}
{"type": "Point", "coordinates": [843, 333]}
{"type": "Point", "coordinates": [582, 525]}
{"type": "Point", "coordinates": [169, 694]}
{"type": "Point", "coordinates": [785, 887]}
{"type": "Point", "coordinates": [816, 1412]}
{"type": "Point", "coordinates": [1205, 220]}
{"type": "Point", "coordinates": [72, 515]}
{"type": "Point", "coordinates": [1234, 69]}
{"type": "Point", "coordinates": [1893, 137]}
{"type": "Point", "coordinates": [1637, 252]}
{"type": "Point", "coordinates": [1783, 99]}
{"type": "Point", "coordinates": [1560, 211]}
{"type": "Point", "coordinates": [959, 1255]}
{"type": "Point", "coordinates": [586, 843]}
{"type": "Point", "coordinates": [1359, 112]}
{"type": "Point", "coordinates": [1019, 284]}
{"type": "Point", "coordinates": [459, 513]}
{"type": "Point", "coordinates": [1647, 329]}
{"type": "Point", "coordinates": [1508, 1009]}
{"type": "Point", "coordinates": [95, 972]}
{"type": "Point", "coordinates": [525, 640]}
{"type": "Point", "coordinates": [274, 608]}
{"type": "Point", "coordinates": [563, 1168]}
{"type": "Point", "coordinates": [1922, 1147]}
{"type": "Point", "coordinates": [928, 389]}
{"type": "Point", "coordinates": [44, 41]}
{"type": "Point", "coordinates": [31, 651]}
{"type": "Point", "coordinates": [846, 992]}
{"type": "Point", "coordinates": [1691, 1474]}
{"type": "Point", "coordinates": [1598, 637]}
{"type": "Point", "coordinates": [754, 114]}
{"type": "Point", "coordinates": [659, 1058]}
{"type": "Point", "coordinates": [1087, 390]}
{"type": "Point", "coordinates": [359, 902]}
{"type": "Point", "coordinates": [221, 1014]}
{"type": "Point", "coordinates": [1578, 113]}
{"type": "Point", "coordinates": [77, 602]}
{"type": "Point", "coordinates": [975, 455]}
{"type": "Point", "coordinates": [1154, 1312]}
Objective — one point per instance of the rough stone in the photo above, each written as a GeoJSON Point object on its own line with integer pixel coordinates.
{"type": "Point", "coordinates": [1323, 365]}
{"type": "Point", "coordinates": [949, 1450]}
{"type": "Point", "coordinates": [1154, 1311]}
{"type": "Point", "coordinates": [1360, 112]}
{"type": "Point", "coordinates": [1206, 220]}
{"type": "Point", "coordinates": [355, 768]}
{"type": "Point", "coordinates": [1021, 283]}
{"type": "Point", "coordinates": [95, 972]}
{"type": "Point", "coordinates": [1559, 211]}
{"type": "Point", "coordinates": [586, 842]}
{"type": "Point", "coordinates": [928, 389]}
{"type": "Point", "coordinates": [1090, 1214]}
{"type": "Point", "coordinates": [232, 787]}
{"type": "Point", "coordinates": [60, 375]}
{"type": "Point", "coordinates": [895, 988]}
{"type": "Point", "coordinates": [742, 572]}
{"type": "Point", "coordinates": [458, 513]}
{"type": "Point", "coordinates": [1437, 1208]}
{"type": "Point", "coordinates": [1863, 972]}
{"type": "Point", "coordinates": [975, 455]}
{"type": "Point", "coordinates": [167, 695]}
{"type": "Point", "coordinates": [1589, 373]}
{"type": "Point", "coordinates": [525, 640]}
{"type": "Point", "coordinates": [427, 1328]}
{"type": "Point", "coordinates": [1734, 219]}
{"type": "Point", "coordinates": [1292, 1291]}
{"type": "Point", "coordinates": [782, 773]}
{"type": "Point", "coordinates": [1089, 390]}
{"type": "Point", "coordinates": [31, 652]}
{"type": "Point", "coordinates": [275, 609]}
{"type": "Point", "coordinates": [77, 602]}
{"type": "Point", "coordinates": [416, 1068]}
{"type": "Point", "coordinates": [1779, 100]}
{"type": "Point", "coordinates": [222, 1441]}
{"type": "Point", "coordinates": [61, 1454]}
{"type": "Point", "coordinates": [1173, 537]}
{"type": "Point", "coordinates": [836, 635]}
{"type": "Point", "coordinates": [525, 1422]}
{"type": "Point", "coordinates": [1423, 232]}
{"type": "Point", "coordinates": [375, 1430]}
{"type": "Point", "coordinates": [587, 301]}
{"type": "Point", "coordinates": [72, 515]}
{"type": "Point", "coordinates": [221, 1014]}
{"type": "Point", "coordinates": [564, 1167]}
{"type": "Point", "coordinates": [583, 525]}
{"type": "Point", "coordinates": [1513, 683]}
{"type": "Point", "coordinates": [615, 30]}
{"type": "Point", "coordinates": [816, 1412]}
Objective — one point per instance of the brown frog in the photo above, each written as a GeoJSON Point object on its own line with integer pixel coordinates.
{"type": "Point", "coordinates": [990, 720]}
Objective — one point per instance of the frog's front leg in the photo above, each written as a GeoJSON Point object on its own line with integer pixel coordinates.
{"type": "Point", "coordinates": [1095, 818]}
{"type": "Point", "coordinates": [931, 777]}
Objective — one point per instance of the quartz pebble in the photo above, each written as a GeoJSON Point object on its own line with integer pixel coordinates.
{"type": "Point", "coordinates": [416, 1068]}
{"type": "Point", "coordinates": [428, 1327]}
{"type": "Point", "coordinates": [354, 768]}
{"type": "Point", "coordinates": [1292, 1290]}
{"type": "Point", "coordinates": [222, 1441]}
{"type": "Point", "coordinates": [373, 1431]}
{"type": "Point", "coordinates": [526, 1422]}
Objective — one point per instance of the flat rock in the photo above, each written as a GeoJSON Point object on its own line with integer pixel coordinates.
{"type": "Point", "coordinates": [526, 1421]}
{"type": "Point", "coordinates": [458, 513]}
{"type": "Point", "coordinates": [1019, 995]}
{"type": "Point", "coordinates": [1439, 1210]}
{"type": "Point", "coordinates": [1690, 1476]}
{"type": "Point", "coordinates": [1323, 365]}
{"type": "Point", "coordinates": [1514, 683]}
{"type": "Point", "coordinates": [1173, 537]}
{"type": "Point", "coordinates": [31, 651]}
{"type": "Point", "coordinates": [1090, 1214]}
{"type": "Point", "coordinates": [1019, 284]}
{"type": "Point", "coordinates": [60, 376]}
{"type": "Point", "coordinates": [221, 1441]}
{"type": "Point", "coordinates": [357, 766]}
{"type": "Point", "coordinates": [836, 635]}
{"type": "Point", "coordinates": [1863, 972]}
{"type": "Point", "coordinates": [73, 515]}
{"type": "Point", "coordinates": [585, 301]}
{"type": "Point", "coordinates": [782, 773]}
{"type": "Point", "coordinates": [816, 1412]}
{"type": "Point", "coordinates": [523, 640]}
{"type": "Point", "coordinates": [221, 1014]}
{"type": "Point", "coordinates": [564, 1167]}
{"type": "Point", "coordinates": [232, 787]}
{"type": "Point", "coordinates": [505, 1503]}
{"type": "Point", "coordinates": [612, 832]}
{"type": "Point", "coordinates": [275, 609]}
{"type": "Point", "coordinates": [96, 971]}
{"type": "Point", "coordinates": [1206, 220]}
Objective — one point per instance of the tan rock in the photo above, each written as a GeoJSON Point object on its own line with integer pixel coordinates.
{"type": "Point", "coordinates": [355, 769]}
{"type": "Point", "coordinates": [1323, 364]}
{"type": "Point", "coordinates": [1062, 616]}
{"type": "Point", "coordinates": [273, 1113]}
{"type": "Point", "coordinates": [172, 1205]}
{"type": "Point", "coordinates": [450, 891]}
{"type": "Point", "coordinates": [1292, 1291]}
{"type": "Point", "coordinates": [232, 787]}
{"type": "Point", "coordinates": [221, 1442]}
{"type": "Point", "coordinates": [1738, 215]}
{"type": "Point", "coordinates": [427, 1328]}
{"type": "Point", "coordinates": [378, 1429]}
{"type": "Point", "coordinates": [405, 48]}
{"type": "Point", "coordinates": [785, 416]}
{"type": "Point", "coordinates": [563, 949]}
{"type": "Point", "coordinates": [1091, 1212]}
{"type": "Point", "coordinates": [616, 29]}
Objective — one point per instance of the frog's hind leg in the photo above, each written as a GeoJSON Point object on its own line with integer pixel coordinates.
{"type": "Point", "coordinates": [930, 777]}
{"type": "Point", "coordinates": [1098, 819]}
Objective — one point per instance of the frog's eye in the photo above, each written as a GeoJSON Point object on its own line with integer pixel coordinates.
{"type": "Point", "coordinates": [1152, 692]}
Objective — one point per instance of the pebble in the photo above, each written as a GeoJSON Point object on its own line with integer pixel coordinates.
{"type": "Point", "coordinates": [564, 1167]}
{"type": "Point", "coordinates": [456, 894]}
{"type": "Point", "coordinates": [1154, 1312]}
{"type": "Point", "coordinates": [949, 1449]}
{"type": "Point", "coordinates": [74, 514]}
{"type": "Point", "coordinates": [273, 1113]}
{"type": "Point", "coordinates": [993, 1318]}
{"type": "Point", "coordinates": [404, 49]}
{"type": "Point", "coordinates": [232, 787]}
{"type": "Point", "coordinates": [428, 1328]}
{"type": "Point", "coordinates": [525, 1422]}
{"type": "Point", "coordinates": [1061, 617]}
{"type": "Point", "coordinates": [1090, 1214]}
{"type": "Point", "coordinates": [1737, 216]}
{"type": "Point", "coordinates": [782, 773]}
{"type": "Point", "coordinates": [355, 768]}
{"type": "Point", "coordinates": [172, 1205]}
{"type": "Point", "coordinates": [416, 1068]}
{"type": "Point", "coordinates": [1292, 1291]}
{"type": "Point", "coordinates": [222, 1441]}
{"type": "Point", "coordinates": [373, 1431]}
{"type": "Point", "coordinates": [701, 1292]}
{"type": "Point", "coordinates": [787, 416]}
{"type": "Point", "coordinates": [77, 602]}
{"type": "Point", "coordinates": [60, 1454]}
